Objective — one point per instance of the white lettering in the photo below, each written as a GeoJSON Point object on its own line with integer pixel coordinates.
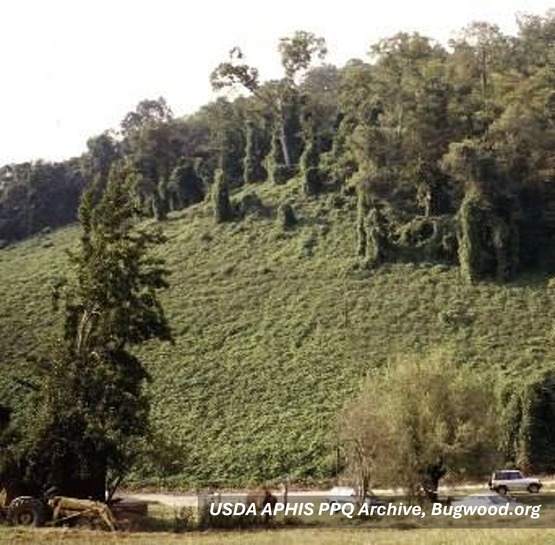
{"type": "Point", "coordinates": [215, 508]}
{"type": "Point", "coordinates": [323, 507]}
{"type": "Point", "coordinates": [364, 510]}
{"type": "Point", "coordinates": [239, 509]}
{"type": "Point", "coordinates": [348, 510]}
{"type": "Point", "coordinates": [279, 508]}
{"type": "Point", "coordinates": [267, 510]}
{"type": "Point", "coordinates": [436, 509]}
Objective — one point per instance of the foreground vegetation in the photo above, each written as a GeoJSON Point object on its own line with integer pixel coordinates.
{"type": "Point", "coordinates": [292, 537]}
{"type": "Point", "coordinates": [418, 421]}
{"type": "Point", "coordinates": [89, 410]}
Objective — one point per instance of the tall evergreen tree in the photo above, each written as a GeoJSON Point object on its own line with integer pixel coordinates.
{"type": "Point", "coordinates": [90, 410]}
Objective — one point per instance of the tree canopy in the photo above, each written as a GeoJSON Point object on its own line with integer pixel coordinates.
{"type": "Point", "coordinates": [418, 420]}
{"type": "Point", "coordinates": [89, 411]}
{"type": "Point", "coordinates": [419, 131]}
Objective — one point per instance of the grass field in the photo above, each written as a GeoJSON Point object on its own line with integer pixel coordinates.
{"type": "Point", "coordinates": [275, 330]}
{"type": "Point", "coordinates": [288, 537]}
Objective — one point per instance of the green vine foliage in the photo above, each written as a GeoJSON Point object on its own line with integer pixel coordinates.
{"type": "Point", "coordinates": [488, 239]}
{"type": "Point", "coordinates": [373, 231]}
{"type": "Point", "coordinates": [286, 217]}
{"type": "Point", "coordinates": [253, 171]}
{"type": "Point", "coordinates": [309, 163]}
{"type": "Point", "coordinates": [474, 256]}
{"type": "Point", "coordinates": [529, 423]}
{"type": "Point", "coordinates": [223, 210]}
{"type": "Point", "coordinates": [275, 165]}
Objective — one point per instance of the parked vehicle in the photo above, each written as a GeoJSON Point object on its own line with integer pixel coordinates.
{"type": "Point", "coordinates": [347, 494]}
{"type": "Point", "coordinates": [512, 480]}
{"type": "Point", "coordinates": [57, 510]}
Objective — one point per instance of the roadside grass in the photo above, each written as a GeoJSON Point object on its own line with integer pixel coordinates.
{"type": "Point", "coordinates": [275, 330]}
{"type": "Point", "coordinates": [285, 537]}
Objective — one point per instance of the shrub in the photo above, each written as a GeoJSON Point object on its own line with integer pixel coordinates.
{"type": "Point", "coordinates": [419, 419]}
{"type": "Point", "coordinates": [286, 217]}
{"type": "Point", "coordinates": [281, 173]}
{"type": "Point", "coordinates": [220, 197]}
{"type": "Point", "coordinates": [251, 204]}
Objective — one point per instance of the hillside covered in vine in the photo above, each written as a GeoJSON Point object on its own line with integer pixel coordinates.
{"type": "Point", "coordinates": [317, 226]}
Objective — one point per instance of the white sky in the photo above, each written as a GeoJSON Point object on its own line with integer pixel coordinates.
{"type": "Point", "coordinates": [73, 68]}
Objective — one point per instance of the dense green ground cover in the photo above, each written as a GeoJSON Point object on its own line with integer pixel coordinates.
{"type": "Point", "coordinates": [275, 329]}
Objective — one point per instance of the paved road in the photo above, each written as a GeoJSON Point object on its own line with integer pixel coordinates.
{"type": "Point", "coordinates": [190, 499]}
{"type": "Point", "coordinates": [183, 500]}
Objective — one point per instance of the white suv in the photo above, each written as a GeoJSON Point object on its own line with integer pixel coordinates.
{"type": "Point", "coordinates": [513, 480]}
{"type": "Point", "coordinates": [347, 494]}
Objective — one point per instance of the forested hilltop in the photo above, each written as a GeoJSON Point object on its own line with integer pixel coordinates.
{"type": "Point", "coordinates": [317, 227]}
{"type": "Point", "coordinates": [449, 149]}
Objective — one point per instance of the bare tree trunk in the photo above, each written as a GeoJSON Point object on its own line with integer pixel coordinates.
{"type": "Point", "coordinates": [365, 485]}
{"type": "Point", "coordinates": [283, 140]}
{"type": "Point", "coordinates": [484, 75]}
{"type": "Point", "coordinates": [428, 202]}
{"type": "Point", "coordinates": [283, 136]}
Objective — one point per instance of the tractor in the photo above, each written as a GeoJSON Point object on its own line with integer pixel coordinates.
{"type": "Point", "coordinates": [22, 503]}
{"type": "Point", "coordinates": [56, 510]}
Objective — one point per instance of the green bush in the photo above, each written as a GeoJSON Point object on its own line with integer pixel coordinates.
{"type": "Point", "coordinates": [220, 198]}
{"type": "Point", "coordinates": [312, 176]}
{"type": "Point", "coordinates": [281, 173]}
{"type": "Point", "coordinates": [286, 217]}
{"type": "Point", "coordinates": [529, 422]}
{"type": "Point", "coordinates": [251, 204]}
{"type": "Point", "coordinates": [312, 181]}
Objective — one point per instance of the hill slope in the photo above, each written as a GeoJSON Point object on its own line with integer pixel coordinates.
{"type": "Point", "coordinates": [274, 330]}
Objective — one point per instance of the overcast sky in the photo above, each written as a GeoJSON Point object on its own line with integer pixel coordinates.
{"type": "Point", "coordinates": [73, 68]}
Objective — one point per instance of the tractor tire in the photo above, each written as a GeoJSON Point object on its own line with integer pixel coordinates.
{"type": "Point", "coordinates": [27, 511]}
